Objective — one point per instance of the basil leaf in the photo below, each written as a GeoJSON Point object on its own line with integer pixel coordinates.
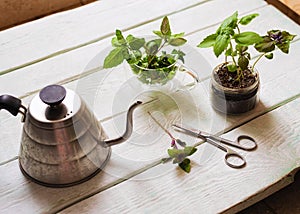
{"type": "Point", "coordinates": [243, 62]}
{"type": "Point", "coordinates": [230, 22]}
{"type": "Point", "coordinates": [247, 19]}
{"type": "Point", "coordinates": [231, 68]}
{"type": "Point", "coordinates": [284, 47]}
{"type": "Point", "coordinates": [247, 38]}
{"type": "Point", "coordinates": [267, 45]}
{"type": "Point", "coordinates": [209, 41]}
{"type": "Point", "coordinates": [286, 36]}
{"type": "Point", "coordinates": [269, 55]}
{"type": "Point", "coordinates": [221, 44]}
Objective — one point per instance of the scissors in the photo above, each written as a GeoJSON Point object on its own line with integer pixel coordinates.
{"type": "Point", "coordinates": [231, 155]}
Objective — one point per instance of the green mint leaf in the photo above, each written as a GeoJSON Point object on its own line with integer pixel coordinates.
{"type": "Point", "coordinates": [231, 68]}
{"type": "Point", "coordinates": [173, 153]}
{"type": "Point", "coordinates": [181, 143]}
{"type": "Point", "coordinates": [185, 165]}
{"type": "Point", "coordinates": [269, 55]}
{"type": "Point", "coordinates": [189, 150]}
{"type": "Point", "coordinates": [120, 37]}
{"type": "Point", "coordinates": [228, 52]}
{"type": "Point", "coordinates": [230, 22]}
{"type": "Point", "coordinates": [243, 62]}
{"type": "Point", "coordinates": [180, 55]}
{"type": "Point", "coordinates": [221, 44]}
{"type": "Point", "coordinates": [247, 19]}
{"type": "Point", "coordinates": [165, 27]}
{"type": "Point", "coordinates": [158, 33]}
{"type": "Point", "coordinates": [247, 38]}
{"type": "Point", "coordinates": [134, 57]}
{"type": "Point", "coordinates": [115, 42]}
{"type": "Point", "coordinates": [177, 35]}
{"type": "Point", "coordinates": [265, 46]}
{"type": "Point", "coordinates": [177, 41]}
{"type": "Point", "coordinates": [114, 58]}
{"type": "Point", "coordinates": [152, 47]}
{"type": "Point", "coordinates": [209, 41]}
{"type": "Point", "coordinates": [135, 43]}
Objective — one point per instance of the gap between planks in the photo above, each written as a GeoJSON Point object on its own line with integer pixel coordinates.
{"type": "Point", "coordinates": [284, 182]}
{"type": "Point", "coordinates": [57, 53]}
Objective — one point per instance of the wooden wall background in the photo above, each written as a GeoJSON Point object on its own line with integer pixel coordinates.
{"type": "Point", "coordinates": [14, 12]}
{"type": "Point", "coordinates": [289, 7]}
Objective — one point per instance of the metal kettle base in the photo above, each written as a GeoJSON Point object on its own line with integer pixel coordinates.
{"type": "Point", "coordinates": [67, 184]}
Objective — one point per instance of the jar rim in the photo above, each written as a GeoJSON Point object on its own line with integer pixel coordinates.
{"type": "Point", "coordinates": [234, 90]}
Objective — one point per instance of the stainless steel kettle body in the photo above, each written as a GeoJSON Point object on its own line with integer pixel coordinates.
{"type": "Point", "coordinates": [62, 142]}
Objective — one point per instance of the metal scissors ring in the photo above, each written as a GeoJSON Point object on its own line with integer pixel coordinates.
{"type": "Point", "coordinates": [232, 158]}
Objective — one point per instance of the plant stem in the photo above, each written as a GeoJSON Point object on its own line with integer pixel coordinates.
{"type": "Point", "coordinates": [233, 59]}
{"type": "Point", "coordinates": [162, 45]}
{"type": "Point", "coordinates": [161, 126]}
{"type": "Point", "coordinates": [237, 27]}
{"type": "Point", "coordinates": [256, 61]}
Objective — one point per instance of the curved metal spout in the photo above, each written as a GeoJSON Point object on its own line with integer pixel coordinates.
{"type": "Point", "coordinates": [129, 127]}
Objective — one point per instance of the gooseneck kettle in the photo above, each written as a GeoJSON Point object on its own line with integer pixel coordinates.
{"type": "Point", "coordinates": [62, 142]}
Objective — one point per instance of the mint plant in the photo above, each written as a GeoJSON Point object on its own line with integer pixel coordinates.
{"type": "Point", "coordinates": [229, 39]}
{"type": "Point", "coordinates": [148, 59]}
{"type": "Point", "coordinates": [179, 156]}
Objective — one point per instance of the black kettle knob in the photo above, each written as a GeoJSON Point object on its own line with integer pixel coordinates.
{"type": "Point", "coordinates": [53, 95]}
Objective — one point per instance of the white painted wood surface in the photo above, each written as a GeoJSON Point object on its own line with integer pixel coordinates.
{"type": "Point", "coordinates": [151, 186]}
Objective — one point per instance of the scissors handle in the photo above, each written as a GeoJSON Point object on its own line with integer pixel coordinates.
{"type": "Point", "coordinates": [243, 142]}
{"type": "Point", "coordinates": [234, 159]}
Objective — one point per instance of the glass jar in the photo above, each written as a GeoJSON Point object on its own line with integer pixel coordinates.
{"type": "Point", "coordinates": [231, 100]}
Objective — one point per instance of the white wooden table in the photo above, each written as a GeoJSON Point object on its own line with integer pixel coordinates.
{"type": "Point", "coordinates": [66, 49]}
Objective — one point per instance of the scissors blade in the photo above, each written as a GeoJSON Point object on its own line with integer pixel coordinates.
{"type": "Point", "coordinates": [188, 132]}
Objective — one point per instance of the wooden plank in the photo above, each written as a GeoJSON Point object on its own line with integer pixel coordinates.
{"type": "Point", "coordinates": [130, 158]}
{"type": "Point", "coordinates": [212, 187]}
{"type": "Point", "coordinates": [29, 43]}
{"type": "Point", "coordinates": [52, 71]}
{"type": "Point", "coordinates": [8, 121]}
{"type": "Point", "coordinates": [49, 200]}
{"type": "Point", "coordinates": [61, 69]}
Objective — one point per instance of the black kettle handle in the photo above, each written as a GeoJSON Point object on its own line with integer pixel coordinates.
{"type": "Point", "coordinates": [12, 104]}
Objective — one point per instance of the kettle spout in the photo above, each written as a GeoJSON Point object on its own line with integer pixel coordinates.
{"type": "Point", "coordinates": [129, 127]}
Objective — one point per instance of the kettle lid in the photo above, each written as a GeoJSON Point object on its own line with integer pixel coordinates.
{"type": "Point", "coordinates": [54, 104]}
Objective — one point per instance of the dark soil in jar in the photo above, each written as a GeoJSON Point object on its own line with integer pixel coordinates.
{"type": "Point", "coordinates": [228, 79]}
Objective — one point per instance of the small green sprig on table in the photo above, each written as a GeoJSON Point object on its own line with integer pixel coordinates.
{"type": "Point", "coordinates": [140, 53]}
{"type": "Point", "coordinates": [229, 33]}
{"type": "Point", "coordinates": [179, 156]}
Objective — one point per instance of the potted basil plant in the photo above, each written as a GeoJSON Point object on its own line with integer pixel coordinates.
{"type": "Point", "coordinates": [235, 83]}
{"type": "Point", "coordinates": [152, 61]}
